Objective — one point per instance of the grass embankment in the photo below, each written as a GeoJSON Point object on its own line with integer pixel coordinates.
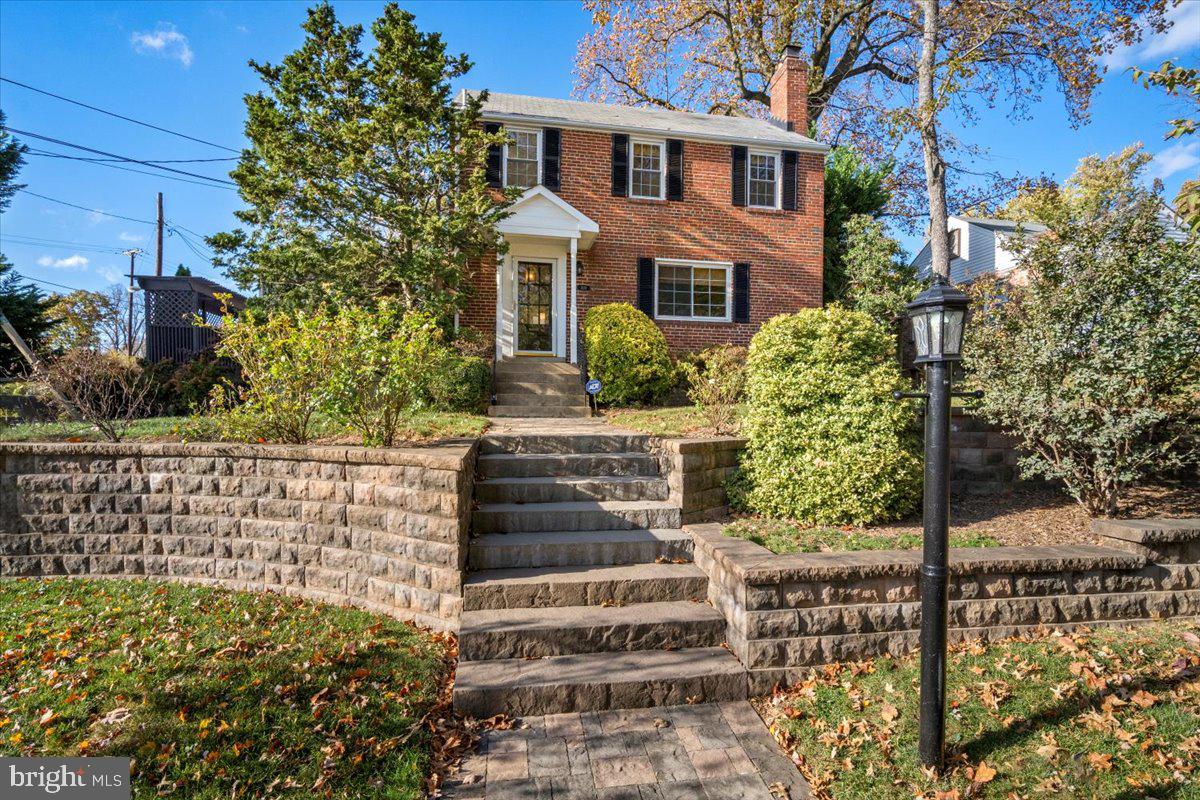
{"type": "Point", "coordinates": [218, 694]}
{"type": "Point", "coordinates": [781, 536]}
{"type": "Point", "coordinates": [1108, 714]}
{"type": "Point", "coordinates": [670, 423]}
{"type": "Point", "coordinates": [417, 429]}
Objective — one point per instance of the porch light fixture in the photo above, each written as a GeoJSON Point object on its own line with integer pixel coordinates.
{"type": "Point", "coordinates": [938, 316]}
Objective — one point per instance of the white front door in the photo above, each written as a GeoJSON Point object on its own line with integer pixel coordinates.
{"type": "Point", "coordinates": [531, 301]}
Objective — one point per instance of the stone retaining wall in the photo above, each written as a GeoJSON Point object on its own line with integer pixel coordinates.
{"type": "Point", "coordinates": [785, 612]}
{"type": "Point", "coordinates": [380, 529]}
{"type": "Point", "coordinates": [983, 458]}
{"type": "Point", "coordinates": [696, 470]}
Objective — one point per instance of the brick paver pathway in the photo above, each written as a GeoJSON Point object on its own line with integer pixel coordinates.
{"type": "Point", "coordinates": [709, 751]}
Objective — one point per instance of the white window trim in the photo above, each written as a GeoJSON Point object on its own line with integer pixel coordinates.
{"type": "Point", "coordinates": [504, 154]}
{"type": "Point", "coordinates": [661, 144]}
{"type": "Point", "coordinates": [777, 155]}
{"type": "Point", "coordinates": [683, 262]}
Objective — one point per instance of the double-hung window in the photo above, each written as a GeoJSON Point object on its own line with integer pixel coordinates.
{"type": "Point", "coordinates": [698, 290]}
{"type": "Point", "coordinates": [763, 174]}
{"type": "Point", "coordinates": [522, 158]}
{"type": "Point", "coordinates": [647, 167]}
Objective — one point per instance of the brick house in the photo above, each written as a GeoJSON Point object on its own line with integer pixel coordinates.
{"type": "Point", "coordinates": [710, 224]}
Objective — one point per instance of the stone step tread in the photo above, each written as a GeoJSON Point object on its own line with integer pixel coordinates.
{"type": "Point", "coordinates": [597, 681]}
{"type": "Point", "coordinates": [516, 458]}
{"type": "Point", "coordinates": [540, 411]}
{"type": "Point", "coordinates": [578, 505]}
{"type": "Point", "coordinates": [515, 620]}
{"type": "Point", "coordinates": [560, 480]}
{"type": "Point", "coordinates": [563, 400]}
{"type": "Point", "coordinates": [579, 537]}
{"type": "Point", "coordinates": [582, 574]}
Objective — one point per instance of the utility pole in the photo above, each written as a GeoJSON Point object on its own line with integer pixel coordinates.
{"type": "Point", "coordinates": [158, 260]}
{"type": "Point", "coordinates": [133, 254]}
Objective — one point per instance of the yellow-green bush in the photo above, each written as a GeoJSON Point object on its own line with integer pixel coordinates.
{"type": "Point", "coordinates": [827, 442]}
{"type": "Point", "coordinates": [627, 353]}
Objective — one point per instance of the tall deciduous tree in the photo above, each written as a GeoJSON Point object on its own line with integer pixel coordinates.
{"type": "Point", "coordinates": [718, 56]}
{"type": "Point", "coordinates": [1182, 83]}
{"type": "Point", "coordinates": [364, 178]}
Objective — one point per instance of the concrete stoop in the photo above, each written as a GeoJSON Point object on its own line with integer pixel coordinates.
{"type": "Point", "coordinates": [582, 594]}
{"type": "Point", "coordinates": [538, 387]}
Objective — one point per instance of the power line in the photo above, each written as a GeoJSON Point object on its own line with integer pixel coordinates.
{"type": "Point", "coordinates": [51, 240]}
{"type": "Point", "coordinates": [99, 163]}
{"type": "Point", "coordinates": [75, 248]}
{"type": "Point", "coordinates": [52, 140]}
{"type": "Point", "coordinates": [50, 283]}
{"type": "Point", "coordinates": [85, 208]}
{"type": "Point", "coordinates": [118, 116]}
{"type": "Point", "coordinates": [39, 152]}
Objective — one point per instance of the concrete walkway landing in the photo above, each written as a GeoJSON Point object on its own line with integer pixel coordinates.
{"type": "Point", "coordinates": [709, 751]}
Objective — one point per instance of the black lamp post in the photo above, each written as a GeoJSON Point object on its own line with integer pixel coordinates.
{"type": "Point", "coordinates": [938, 317]}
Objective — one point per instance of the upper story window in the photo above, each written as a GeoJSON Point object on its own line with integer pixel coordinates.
{"type": "Point", "coordinates": [763, 174]}
{"type": "Point", "coordinates": [647, 166]}
{"type": "Point", "coordinates": [523, 158]}
{"type": "Point", "coordinates": [698, 291]}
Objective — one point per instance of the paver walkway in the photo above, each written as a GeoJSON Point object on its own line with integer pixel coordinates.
{"type": "Point", "coordinates": [708, 751]}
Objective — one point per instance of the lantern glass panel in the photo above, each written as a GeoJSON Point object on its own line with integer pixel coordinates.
{"type": "Point", "coordinates": [921, 333]}
{"type": "Point", "coordinates": [936, 344]}
{"type": "Point", "coordinates": [953, 327]}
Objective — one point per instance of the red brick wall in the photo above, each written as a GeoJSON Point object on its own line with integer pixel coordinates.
{"type": "Point", "coordinates": [783, 248]}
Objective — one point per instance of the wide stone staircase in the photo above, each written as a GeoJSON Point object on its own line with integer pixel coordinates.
{"type": "Point", "coordinates": [582, 594]}
{"type": "Point", "coordinates": [529, 386]}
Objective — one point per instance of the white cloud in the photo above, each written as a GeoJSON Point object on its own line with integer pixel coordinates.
{"type": "Point", "coordinates": [1176, 158]}
{"type": "Point", "coordinates": [1182, 36]}
{"type": "Point", "coordinates": [111, 275]}
{"type": "Point", "coordinates": [166, 41]}
{"type": "Point", "coordinates": [125, 236]}
{"type": "Point", "coordinates": [242, 29]}
{"type": "Point", "coordinates": [97, 216]}
{"type": "Point", "coordinates": [70, 262]}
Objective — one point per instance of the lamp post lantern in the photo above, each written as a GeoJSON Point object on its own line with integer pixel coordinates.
{"type": "Point", "coordinates": [938, 316]}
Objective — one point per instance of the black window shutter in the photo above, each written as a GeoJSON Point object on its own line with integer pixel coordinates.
{"type": "Point", "coordinates": [789, 180]}
{"type": "Point", "coordinates": [494, 154]}
{"type": "Point", "coordinates": [620, 165]}
{"type": "Point", "coordinates": [738, 174]}
{"type": "Point", "coordinates": [551, 143]}
{"type": "Point", "coordinates": [741, 292]}
{"type": "Point", "coordinates": [645, 286]}
{"type": "Point", "coordinates": [674, 169]}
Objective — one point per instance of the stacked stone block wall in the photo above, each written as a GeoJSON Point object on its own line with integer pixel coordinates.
{"type": "Point", "coordinates": [385, 530]}
{"type": "Point", "coordinates": [983, 458]}
{"type": "Point", "coordinates": [696, 471]}
{"type": "Point", "coordinates": [787, 612]}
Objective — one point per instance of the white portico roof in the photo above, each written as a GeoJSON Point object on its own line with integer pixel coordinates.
{"type": "Point", "coordinates": [540, 212]}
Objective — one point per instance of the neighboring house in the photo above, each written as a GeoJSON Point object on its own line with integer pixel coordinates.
{"type": "Point", "coordinates": [980, 246]}
{"type": "Point", "coordinates": [710, 224]}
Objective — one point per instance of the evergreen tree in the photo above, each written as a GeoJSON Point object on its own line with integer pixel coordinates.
{"type": "Point", "coordinates": [12, 157]}
{"type": "Point", "coordinates": [182, 272]}
{"type": "Point", "coordinates": [26, 308]}
{"type": "Point", "coordinates": [364, 178]}
{"type": "Point", "coordinates": [852, 187]}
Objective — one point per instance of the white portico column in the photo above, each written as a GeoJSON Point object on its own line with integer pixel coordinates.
{"type": "Point", "coordinates": [574, 305]}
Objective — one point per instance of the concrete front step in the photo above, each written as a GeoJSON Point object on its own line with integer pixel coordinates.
{"type": "Point", "coordinates": [608, 515]}
{"type": "Point", "coordinates": [577, 548]}
{"type": "Point", "coordinates": [524, 366]}
{"type": "Point", "coordinates": [566, 490]}
{"type": "Point", "coordinates": [571, 398]}
{"type": "Point", "coordinates": [512, 411]}
{"type": "Point", "coordinates": [598, 681]}
{"type": "Point", "coordinates": [566, 630]}
{"type": "Point", "coordinates": [564, 444]}
{"type": "Point", "coordinates": [565, 465]}
{"type": "Point", "coordinates": [538, 384]}
{"type": "Point", "coordinates": [583, 586]}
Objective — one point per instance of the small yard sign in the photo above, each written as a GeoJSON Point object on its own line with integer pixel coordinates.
{"type": "Point", "coordinates": [592, 387]}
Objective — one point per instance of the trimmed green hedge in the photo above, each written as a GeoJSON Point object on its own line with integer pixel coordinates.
{"type": "Point", "coordinates": [827, 442]}
{"type": "Point", "coordinates": [464, 385]}
{"type": "Point", "coordinates": [627, 353]}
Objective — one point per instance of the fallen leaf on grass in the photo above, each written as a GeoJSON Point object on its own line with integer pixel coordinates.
{"type": "Point", "coordinates": [1101, 762]}
{"type": "Point", "coordinates": [1143, 698]}
{"type": "Point", "coordinates": [982, 774]}
{"type": "Point", "coordinates": [889, 712]}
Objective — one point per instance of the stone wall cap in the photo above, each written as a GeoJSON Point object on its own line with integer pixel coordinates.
{"type": "Point", "coordinates": [704, 444]}
{"type": "Point", "coordinates": [755, 564]}
{"type": "Point", "coordinates": [448, 455]}
{"type": "Point", "coordinates": [1149, 531]}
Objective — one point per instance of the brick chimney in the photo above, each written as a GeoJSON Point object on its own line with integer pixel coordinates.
{"type": "Point", "coordinates": [789, 91]}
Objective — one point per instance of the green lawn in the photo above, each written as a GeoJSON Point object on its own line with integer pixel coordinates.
{"type": "Point", "coordinates": [217, 694]}
{"type": "Point", "coordinates": [671, 423]}
{"type": "Point", "coordinates": [1111, 714]}
{"type": "Point", "coordinates": [781, 536]}
{"type": "Point", "coordinates": [418, 428]}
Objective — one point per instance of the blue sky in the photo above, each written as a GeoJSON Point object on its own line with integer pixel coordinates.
{"type": "Point", "coordinates": [182, 66]}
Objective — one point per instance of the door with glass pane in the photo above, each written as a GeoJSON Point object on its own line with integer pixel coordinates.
{"type": "Point", "coordinates": [535, 306]}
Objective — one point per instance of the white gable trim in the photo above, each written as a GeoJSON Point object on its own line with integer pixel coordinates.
{"type": "Point", "coordinates": [540, 212]}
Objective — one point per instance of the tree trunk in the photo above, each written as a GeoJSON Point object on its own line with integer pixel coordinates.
{"type": "Point", "coordinates": [935, 167]}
